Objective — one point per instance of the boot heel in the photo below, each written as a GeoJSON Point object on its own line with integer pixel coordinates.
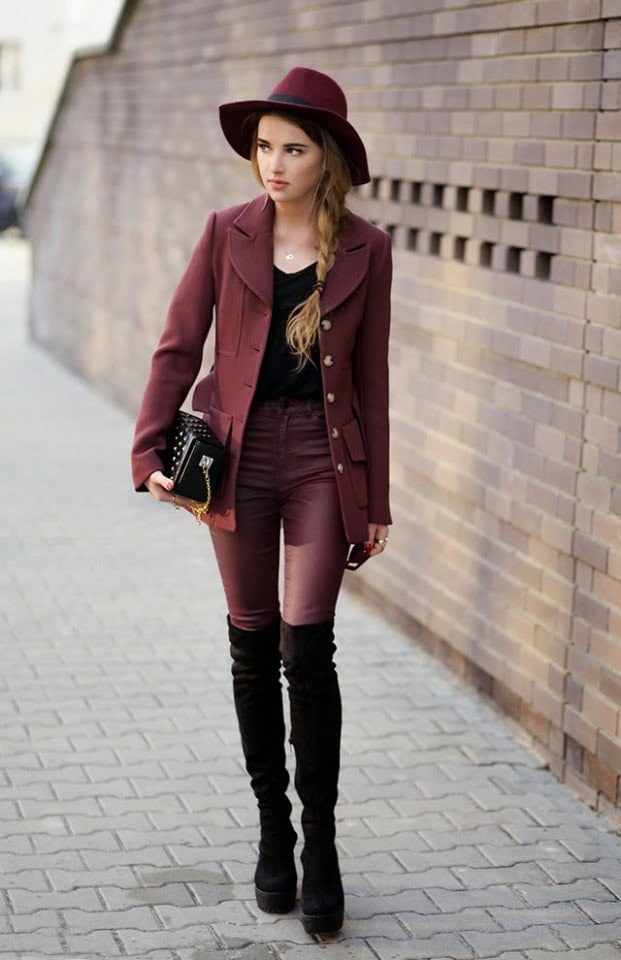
{"type": "Point", "coordinates": [281, 901]}
{"type": "Point", "coordinates": [323, 923]}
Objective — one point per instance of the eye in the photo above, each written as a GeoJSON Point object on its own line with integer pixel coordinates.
{"type": "Point", "coordinates": [294, 151]}
{"type": "Point", "coordinates": [263, 147]}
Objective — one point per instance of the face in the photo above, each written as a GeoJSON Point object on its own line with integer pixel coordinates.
{"type": "Point", "coordinates": [290, 163]}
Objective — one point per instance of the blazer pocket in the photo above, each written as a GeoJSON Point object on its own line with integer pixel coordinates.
{"type": "Point", "coordinates": [201, 398]}
{"type": "Point", "coordinates": [219, 423]}
{"type": "Point", "coordinates": [354, 445]}
{"type": "Point", "coordinates": [229, 323]}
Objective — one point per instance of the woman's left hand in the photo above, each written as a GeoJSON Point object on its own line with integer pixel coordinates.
{"type": "Point", "coordinates": [377, 539]}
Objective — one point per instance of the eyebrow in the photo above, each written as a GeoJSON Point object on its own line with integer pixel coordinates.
{"type": "Point", "coordinates": [263, 140]}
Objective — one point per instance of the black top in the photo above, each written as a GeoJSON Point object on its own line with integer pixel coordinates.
{"type": "Point", "coordinates": [279, 376]}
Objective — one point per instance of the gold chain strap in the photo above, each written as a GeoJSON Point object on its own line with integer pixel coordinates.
{"type": "Point", "coordinates": [199, 508]}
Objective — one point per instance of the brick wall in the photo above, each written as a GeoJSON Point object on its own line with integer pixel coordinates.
{"type": "Point", "coordinates": [493, 131]}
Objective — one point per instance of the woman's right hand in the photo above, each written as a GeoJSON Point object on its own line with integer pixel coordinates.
{"type": "Point", "coordinates": [161, 487]}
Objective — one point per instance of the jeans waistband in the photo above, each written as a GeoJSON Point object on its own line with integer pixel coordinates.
{"type": "Point", "coordinates": [293, 405]}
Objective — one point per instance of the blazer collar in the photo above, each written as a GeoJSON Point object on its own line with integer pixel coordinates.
{"type": "Point", "coordinates": [251, 252]}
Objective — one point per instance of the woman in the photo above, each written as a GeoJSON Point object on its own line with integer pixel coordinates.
{"type": "Point", "coordinates": [299, 394]}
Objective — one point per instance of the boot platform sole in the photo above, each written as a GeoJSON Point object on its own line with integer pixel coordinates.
{"type": "Point", "coordinates": [323, 922]}
{"type": "Point", "coordinates": [280, 901]}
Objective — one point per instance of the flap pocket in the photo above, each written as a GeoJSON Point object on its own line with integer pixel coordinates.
{"type": "Point", "coordinates": [353, 440]}
{"type": "Point", "coordinates": [201, 398]}
{"type": "Point", "coordinates": [219, 423]}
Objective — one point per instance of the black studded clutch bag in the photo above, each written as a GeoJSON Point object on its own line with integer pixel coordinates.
{"type": "Point", "coordinates": [194, 460]}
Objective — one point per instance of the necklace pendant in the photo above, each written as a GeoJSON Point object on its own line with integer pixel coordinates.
{"type": "Point", "coordinates": [289, 256]}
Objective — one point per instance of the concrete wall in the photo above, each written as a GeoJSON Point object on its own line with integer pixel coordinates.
{"type": "Point", "coordinates": [493, 131]}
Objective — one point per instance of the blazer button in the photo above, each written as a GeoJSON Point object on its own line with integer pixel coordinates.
{"type": "Point", "coordinates": [330, 397]}
{"type": "Point", "coordinates": [326, 324]}
{"type": "Point", "coordinates": [334, 432]}
{"type": "Point", "coordinates": [340, 467]}
{"type": "Point", "coordinates": [328, 361]}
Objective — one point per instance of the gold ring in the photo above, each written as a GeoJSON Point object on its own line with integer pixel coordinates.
{"type": "Point", "coordinates": [381, 540]}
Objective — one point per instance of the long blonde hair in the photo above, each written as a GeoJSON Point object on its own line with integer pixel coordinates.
{"type": "Point", "coordinates": [328, 210]}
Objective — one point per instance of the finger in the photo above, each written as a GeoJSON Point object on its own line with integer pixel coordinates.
{"type": "Point", "coordinates": [162, 481]}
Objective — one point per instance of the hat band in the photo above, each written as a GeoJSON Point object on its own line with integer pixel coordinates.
{"type": "Point", "coordinates": [286, 98]}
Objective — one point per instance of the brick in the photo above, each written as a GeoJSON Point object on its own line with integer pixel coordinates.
{"type": "Point", "coordinates": [608, 126]}
{"type": "Point", "coordinates": [612, 34]}
{"type": "Point", "coordinates": [612, 65]}
{"type": "Point", "coordinates": [557, 11]}
{"type": "Point", "coordinates": [601, 371]}
{"type": "Point", "coordinates": [603, 933]}
{"type": "Point", "coordinates": [590, 609]}
{"type": "Point", "coordinates": [607, 186]}
{"type": "Point", "coordinates": [442, 945]}
{"type": "Point", "coordinates": [605, 649]}
{"type": "Point", "coordinates": [543, 937]}
{"type": "Point", "coordinates": [610, 685]}
{"type": "Point", "coordinates": [591, 551]}
{"type": "Point", "coordinates": [580, 729]}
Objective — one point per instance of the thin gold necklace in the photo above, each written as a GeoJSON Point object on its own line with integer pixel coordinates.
{"type": "Point", "coordinates": [291, 254]}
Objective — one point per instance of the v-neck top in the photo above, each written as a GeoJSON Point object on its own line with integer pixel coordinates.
{"type": "Point", "coordinates": [279, 375]}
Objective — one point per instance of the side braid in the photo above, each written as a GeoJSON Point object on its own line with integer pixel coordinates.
{"type": "Point", "coordinates": [329, 210]}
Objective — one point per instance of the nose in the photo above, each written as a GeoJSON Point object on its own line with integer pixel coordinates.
{"type": "Point", "coordinates": [276, 162]}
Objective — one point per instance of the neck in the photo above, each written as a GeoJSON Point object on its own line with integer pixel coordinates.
{"type": "Point", "coordinates": [293, 217]}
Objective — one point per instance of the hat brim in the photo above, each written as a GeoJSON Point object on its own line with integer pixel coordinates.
{"type": "Point", "coordinates": [239, 135]}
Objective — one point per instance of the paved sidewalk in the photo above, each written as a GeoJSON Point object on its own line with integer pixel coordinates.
{"type": "Point", "coordinates": [127, 826]}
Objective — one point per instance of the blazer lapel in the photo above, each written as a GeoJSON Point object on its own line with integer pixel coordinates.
{"type": "Point", "coordinates": [348, 272]}
{"type": "Point", "coordinates": [251, 248]}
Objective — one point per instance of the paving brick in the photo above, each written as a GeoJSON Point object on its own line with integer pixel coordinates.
{"type": "Point", "coordinates": [480, 878]}
{"type": "Point", "coordinates": [455, 900]}
{"type": "Point", "coordinates": [27, 901]}
{"type": "Point", "coordinates": [135, 917]}
{"type": "Point", "coordinates": [346, 950]}
{"type": "Point", "coordinates": [396, 883]}
{"type": "Point", "coordinates": [489, 944]}
{"type": "Point", "coordinates": [605, 870]}
{"type": "Point", "coordinates": [601, 952]}
{"type": "Point", "coordinates": [365, 907]}
{"type": "Point", "coordinates": [527, 916]}
{"type": "Point", "coordinates": [601, 911]}
{"type": "Point", "coordinates": [30, 942]}
{"type": "Point", "coordinates": [440, 947]}
{"type": "Point", "coordinates": [585, 935]}
{"type": "Point", "coordinates": [98, 943]}
{"type": "Point", "coordinates": [469, 918]}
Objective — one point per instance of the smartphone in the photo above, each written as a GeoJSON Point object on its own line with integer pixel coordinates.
{"type": "Point", "coordinates": [356, 556]}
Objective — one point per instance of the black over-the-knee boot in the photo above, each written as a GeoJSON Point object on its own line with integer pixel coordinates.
{"type": "Point", "coordinates": [258, 703]}
{"type": "Point", "coordinates": [307, 653]}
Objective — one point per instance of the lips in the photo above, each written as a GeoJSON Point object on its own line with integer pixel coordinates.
{"type": "Point", "coordinates": [279, 183]}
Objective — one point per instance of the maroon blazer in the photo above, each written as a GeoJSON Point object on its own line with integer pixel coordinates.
{"type": "Point", "coordinates": [231, 269]}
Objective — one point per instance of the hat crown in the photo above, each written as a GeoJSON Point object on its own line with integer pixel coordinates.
{"type": "Point", "coordinates": [302, 92]}
{"type": "Point", "coordinates": [312, 88]}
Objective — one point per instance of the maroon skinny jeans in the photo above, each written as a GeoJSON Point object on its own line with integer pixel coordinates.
{"type": "Point", "coordinates": [285, 480]}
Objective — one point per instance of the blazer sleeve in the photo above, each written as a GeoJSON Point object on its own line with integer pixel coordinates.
{"type": "Point", "coordinates": [177, 358]}
{"type": "Point", "coordinates": [371, 381]}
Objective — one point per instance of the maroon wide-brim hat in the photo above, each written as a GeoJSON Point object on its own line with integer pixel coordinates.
{"type": "Point", "coordinates": [307, 93]}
